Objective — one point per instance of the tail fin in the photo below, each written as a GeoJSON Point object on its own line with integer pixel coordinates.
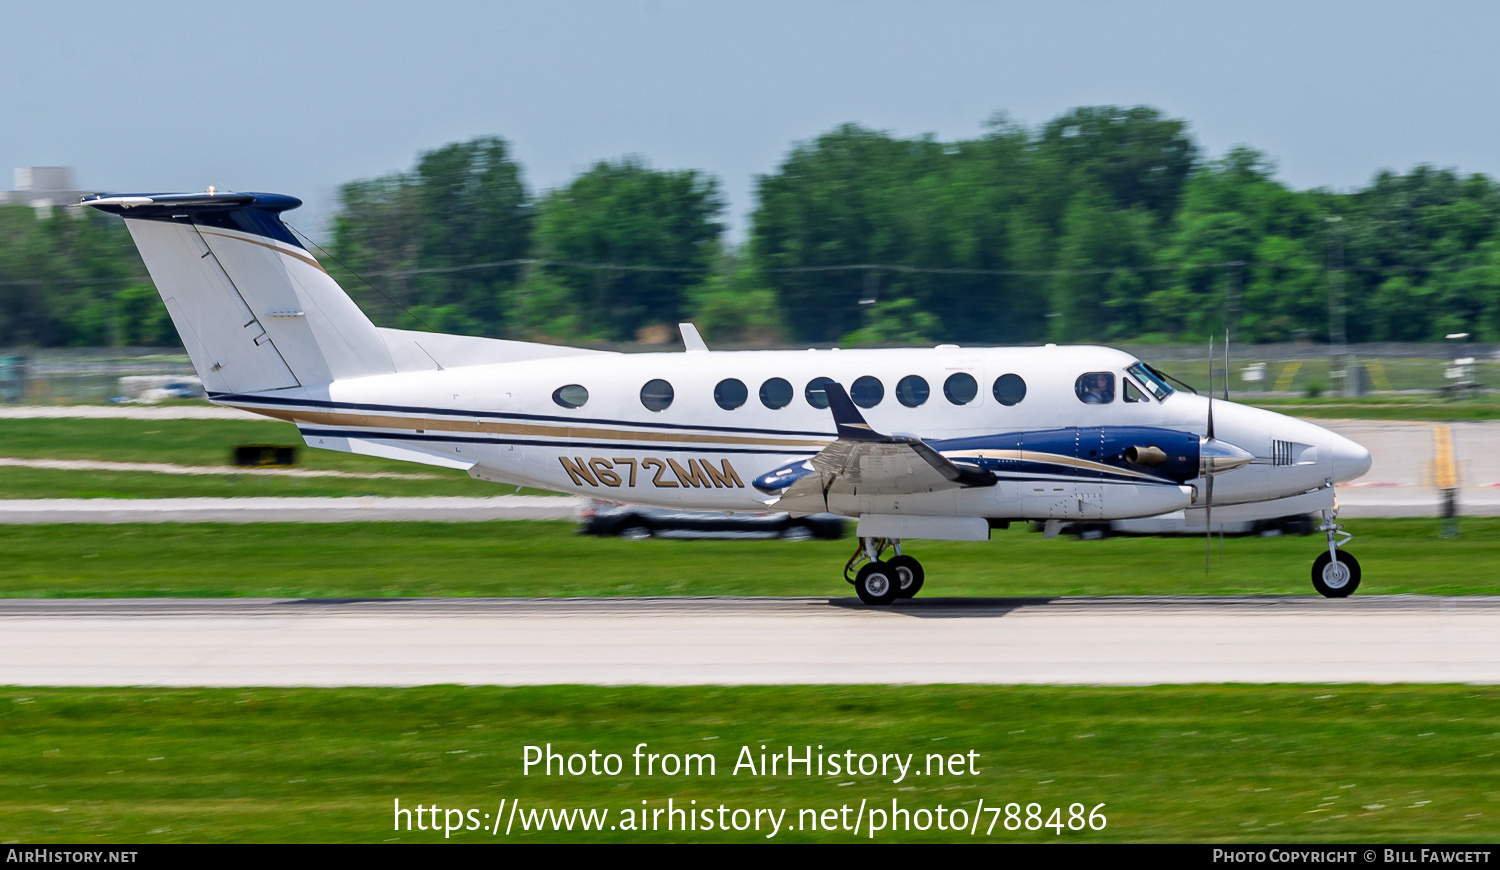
{"type": "Point", "coordinates": [254, 309]}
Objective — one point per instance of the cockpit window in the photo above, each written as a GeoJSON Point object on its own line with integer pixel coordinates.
{"type": "Point", "coordinates": [1133, 393]}
{"type": "Point", "coordinates": [1095, 388]}
{"type": "Point", "coordinates": [1156, 385]}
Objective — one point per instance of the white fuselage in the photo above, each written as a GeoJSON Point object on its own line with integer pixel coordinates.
{"type": "Point", "coordinates": [501, 422]}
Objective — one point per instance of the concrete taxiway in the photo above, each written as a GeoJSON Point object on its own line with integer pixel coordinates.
{"type": "Point", "coordinates": [695, 641]}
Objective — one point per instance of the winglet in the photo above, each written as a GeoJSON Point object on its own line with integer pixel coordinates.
{"type": "Point", "coordinates": [850, 423]}
{"type": "Point", "coordinates": [691, 340]}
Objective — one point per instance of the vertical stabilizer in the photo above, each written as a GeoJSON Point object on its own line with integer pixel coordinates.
{"type": "Point", "coordinates": [254, 309]}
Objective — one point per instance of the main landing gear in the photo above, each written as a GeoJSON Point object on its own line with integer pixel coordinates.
{"type": "Point", "coordinates": [882, 582]}
{"type": "Point", "coordinates": [1335, 574]}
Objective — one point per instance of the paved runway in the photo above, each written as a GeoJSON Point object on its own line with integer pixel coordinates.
{"type": "Point", "coordinates": [688, 641]}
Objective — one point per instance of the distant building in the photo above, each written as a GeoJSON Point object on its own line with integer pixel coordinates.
{"type": "Point", "coordinates": [42, 188]}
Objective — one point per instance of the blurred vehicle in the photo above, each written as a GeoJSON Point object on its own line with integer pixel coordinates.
{"type": "Point", "coordinates": [149, 389]}
{"type": "Point", "coordinates": [1296, 524]}
{"type": "Point", "coordinates": [12, 378]}
{"type": "Point", "coordinates": [638, 522]}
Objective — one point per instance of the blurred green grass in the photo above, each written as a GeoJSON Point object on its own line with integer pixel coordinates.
{"type": "Point", "coordinates": [504, 559]}
{"type": "Point", "coordinates": [1226, 764]}
{"type": "Point", "coordinates": [202, 443]}
{"type": "Point", "coordinates": [17, 483]}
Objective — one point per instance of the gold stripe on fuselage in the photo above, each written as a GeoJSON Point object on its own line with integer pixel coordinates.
{"type": "Point", "coordinates": [486, 427]}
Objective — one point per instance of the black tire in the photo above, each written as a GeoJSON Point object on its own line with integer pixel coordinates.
{"type": "Point", "coordinates": [1327, 581]}
{"type": "Point", "coordinates": [635, 532]}
{"type": "Point", "coordinates": [909, 576]}
{"type": "Point", "coordinates": [876, 583]}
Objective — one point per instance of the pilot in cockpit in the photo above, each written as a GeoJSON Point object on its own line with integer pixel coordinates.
{"type": "Point", "coordinates": [1096, 388]}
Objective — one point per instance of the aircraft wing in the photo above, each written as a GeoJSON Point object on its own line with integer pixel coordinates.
{"type": "Point", "coordinates": [863, 461]}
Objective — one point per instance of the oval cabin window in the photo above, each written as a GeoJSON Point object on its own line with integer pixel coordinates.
{"type": "Point", "coordinates": [961, 388]}
{"type": "Point", "coordinates": [571, 396]}
{"type": "Point", "coordinates": [867, 391]}
{"type": "Point", "coordinates": [912, 391]}
{"type": "Point", "coordinates": [1010, 389]}
{"type": "Point", "coordinates": [817, 392]}
{"type": "Point", "coordinates": [657, 395]}
{"type": "Point", "coordinates": [730, 394]}
{"type": "Point", "coordinates": [776, 393]}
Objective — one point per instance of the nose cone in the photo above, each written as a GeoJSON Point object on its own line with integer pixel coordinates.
{"type": "Point", "coordinates": [1350, 460]}
{"type": "Point", "coordinates": [1217, 457]}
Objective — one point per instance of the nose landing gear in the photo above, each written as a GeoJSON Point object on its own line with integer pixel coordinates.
{"type": "Point", "coordinates": [1335, 574]}
{"type": "Point", "coordinates": [882, 582]}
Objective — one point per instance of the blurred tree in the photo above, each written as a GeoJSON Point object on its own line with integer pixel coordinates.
{"type": "Point", "coordinates": [416, 236]}
{"type": "Point", "coordinates": [627, 214]}
{"type": "Point", "coordinates": [141, 320]}
{"type": "Point", "coordinates": [896, 323]}
{"type": "Point", "coordinates": [733, 307]}
{"type": "Point", "coordinates": [1099, 297]}
{"type": "Point", "coordinates": [58, 273]}
{"type": "Point", "coordinates": [1138, 157]}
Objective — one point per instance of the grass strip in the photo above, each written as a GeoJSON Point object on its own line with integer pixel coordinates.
{"type": "Point", "coordinates": [1194, 763]}
{"type": "Point", "coordinates": [503, 559]}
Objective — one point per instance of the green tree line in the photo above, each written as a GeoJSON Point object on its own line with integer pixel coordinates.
{"type": "Point", "coordinates": [1105, 224]}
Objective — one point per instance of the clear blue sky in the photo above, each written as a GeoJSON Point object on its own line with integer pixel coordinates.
{"type": "Point", "coordinates": [300, 97]}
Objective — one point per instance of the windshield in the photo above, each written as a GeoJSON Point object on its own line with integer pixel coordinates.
{"type": "Point", "coordinates": [1149, 379]}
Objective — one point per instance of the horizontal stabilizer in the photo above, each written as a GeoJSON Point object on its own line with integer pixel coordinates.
{"type": "Point", "coordinates": [384, 450]}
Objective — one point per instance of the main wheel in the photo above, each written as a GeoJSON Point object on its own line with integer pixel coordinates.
{"type": "Point", "coordinates": [1335, 579]}
{"type": "Point", "coordinates": [909, 575]}
{"type": "Point", "coordinates": [876, 583]}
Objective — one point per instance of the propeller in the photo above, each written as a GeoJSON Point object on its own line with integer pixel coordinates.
{"type": "Point", "coordinates": [1226, 398]}
{"type": "Point", "coordinates": [1208, 478]}
{"type": "Point", "coordinates": [1208, 504]}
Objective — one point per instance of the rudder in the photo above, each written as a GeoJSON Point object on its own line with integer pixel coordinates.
{"type": "Point", "coordinates": [254, 309]}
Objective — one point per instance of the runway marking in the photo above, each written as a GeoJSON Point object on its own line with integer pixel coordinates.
{"type": "Point", "coordinates": [1288, 372]}
{"type": "Point", "coordinates": [1443, 469]}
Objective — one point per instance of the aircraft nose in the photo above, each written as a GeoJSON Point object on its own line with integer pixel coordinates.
{"type": "Point", "coordinates": [1350, 460]}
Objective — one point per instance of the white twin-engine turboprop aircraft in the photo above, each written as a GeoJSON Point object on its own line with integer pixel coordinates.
{"type": "Point", "coordinates": [941, 443]}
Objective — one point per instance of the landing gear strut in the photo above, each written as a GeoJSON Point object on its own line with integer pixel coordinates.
{"type": "Point", "coordinates": [882, 582]}
{"type": "Point", "coordinates": [1335, 574]}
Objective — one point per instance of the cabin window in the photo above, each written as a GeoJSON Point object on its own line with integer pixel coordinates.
{"type": "Point", "coordinates": [731, 393]}
{"type": "Point", "coordinates": [1132, 392]}
{"type": "Point", "coordinates": [817, 392]}
{"type": "Point", "coordinates": [961, 388]}
{"type": "Point", "coordinates": [571, 396]}
{"type": "Point", "coordinates": [776, 393]}
{"type": "Point", "coordinates": [867, 391]}
{"type": "Point", "coordinates": [656, 395]}
{"type": "Point", "coordinates": [1095, 388]}
{"type": "Point", "coordinates": [1009, 389]}
{"type": "Point", "coordinates": [912, 391]}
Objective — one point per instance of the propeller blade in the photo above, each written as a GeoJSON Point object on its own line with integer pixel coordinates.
{"type": "Point", "coordinates": [1226, 363]}
{"type": "Point", "coordinates": [1208, 524]}
{"type": "Point", "coordinates": [1210, 387]}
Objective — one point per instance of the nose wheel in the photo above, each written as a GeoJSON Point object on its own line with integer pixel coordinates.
{"type": "Point", "coordinates": [879, 581]}
{"type": "Point", "coordinates": [1335, 573]}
